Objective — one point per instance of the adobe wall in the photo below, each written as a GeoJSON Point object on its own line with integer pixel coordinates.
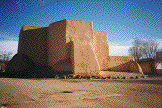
{"type": "Point", "coordinates": [33, 43]}
{"type": "Point", "coordinates": [56, 42]}
{"type": "Point", "coordinates": [159, 71]}
{"type": "Point", "coordinates": [146, 67]}
{"type": "Point", "coordinates": [60, 52]}
{"type": "Point", "coordinates": [118, 60]}
{"type": "Point", "coordinates": [135, 67]}
{"type": "Point", "coordinates": [65, 45]}
{"type": "Point", "coordinates": [159, 68]}
{"type": "Point", "coordinates": [81, 34]}
{"type": "Point", "coordinates": [159, 57]}
{"type": "Point", "coordinates": [123, 64]}
{"type": "Point", "coordinates": [101, 48]}
{"type": "Point", "coordinates": [72, 45]}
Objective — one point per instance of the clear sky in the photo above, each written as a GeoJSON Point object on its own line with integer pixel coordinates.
{"type": "Point", "coordinates": [124, 20]}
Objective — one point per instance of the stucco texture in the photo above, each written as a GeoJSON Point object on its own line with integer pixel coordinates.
{"type": "Point", "coordinates": [101, 48]}
{"type": "Point", "coordinates": [72, 45]}
{"type": "Point", "coordinates": [81, 34]}
{"type": "Point", "coordinates": [123, 64]}
{"type": "Point", "coordinates": [33, 43]}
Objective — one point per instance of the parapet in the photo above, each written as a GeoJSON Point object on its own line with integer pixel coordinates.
{"type": "Point", "coordinates": [26, 27]}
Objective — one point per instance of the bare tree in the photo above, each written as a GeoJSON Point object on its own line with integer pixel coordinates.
{"type": "Point", "coordinates": [144, 49]}
{"type": "Point", "coordinates": [136, 49]}
{"type": "Point", "coordinates": [150, 48]}
{"type": "Point", "coordinates": [5, 56]}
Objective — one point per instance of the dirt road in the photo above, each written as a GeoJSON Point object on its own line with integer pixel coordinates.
{"type": "Point", "coordinates": [80, 93]}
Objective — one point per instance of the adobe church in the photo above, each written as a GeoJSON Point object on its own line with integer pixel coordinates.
{"type": "Point", "coordinates": [72, 45]}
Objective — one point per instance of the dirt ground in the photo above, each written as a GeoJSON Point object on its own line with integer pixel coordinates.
{"type": "Point", "coordinates": [80, 93]}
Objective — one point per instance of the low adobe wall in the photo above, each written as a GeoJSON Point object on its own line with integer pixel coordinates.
{"type": "Point", "coordinates": [135, 67]}
{"type": "Point", "coordinates": [123, 64]}
{"type": "Point", "coordinates": [159, 71]}
{"type": "Point", "coordinates": [146, 68]}
{"type": "Point", "coordinates": [159, 68]}
{"type": "Point", "coordinates": [159, 56]}
{"type": "Point", "coordinates": [118, 61]}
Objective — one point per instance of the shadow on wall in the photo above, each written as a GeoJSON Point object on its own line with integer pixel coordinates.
{"type": "Point", "coordinates": [21, 66]}
{"type": "Point", "coordinates": [148, 66]}
{"type": "Point", "coordinates": [68, 63]}
{"type": "Point", "coordinates": [33, 43]}
{"type": "Point", "coordinates": [32, 58]}
{"type": "Point", "coordinates": [130, 66]}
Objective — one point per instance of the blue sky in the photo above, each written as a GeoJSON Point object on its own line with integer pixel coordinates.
{"type": "Point", "coordinates": [124, 20]}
